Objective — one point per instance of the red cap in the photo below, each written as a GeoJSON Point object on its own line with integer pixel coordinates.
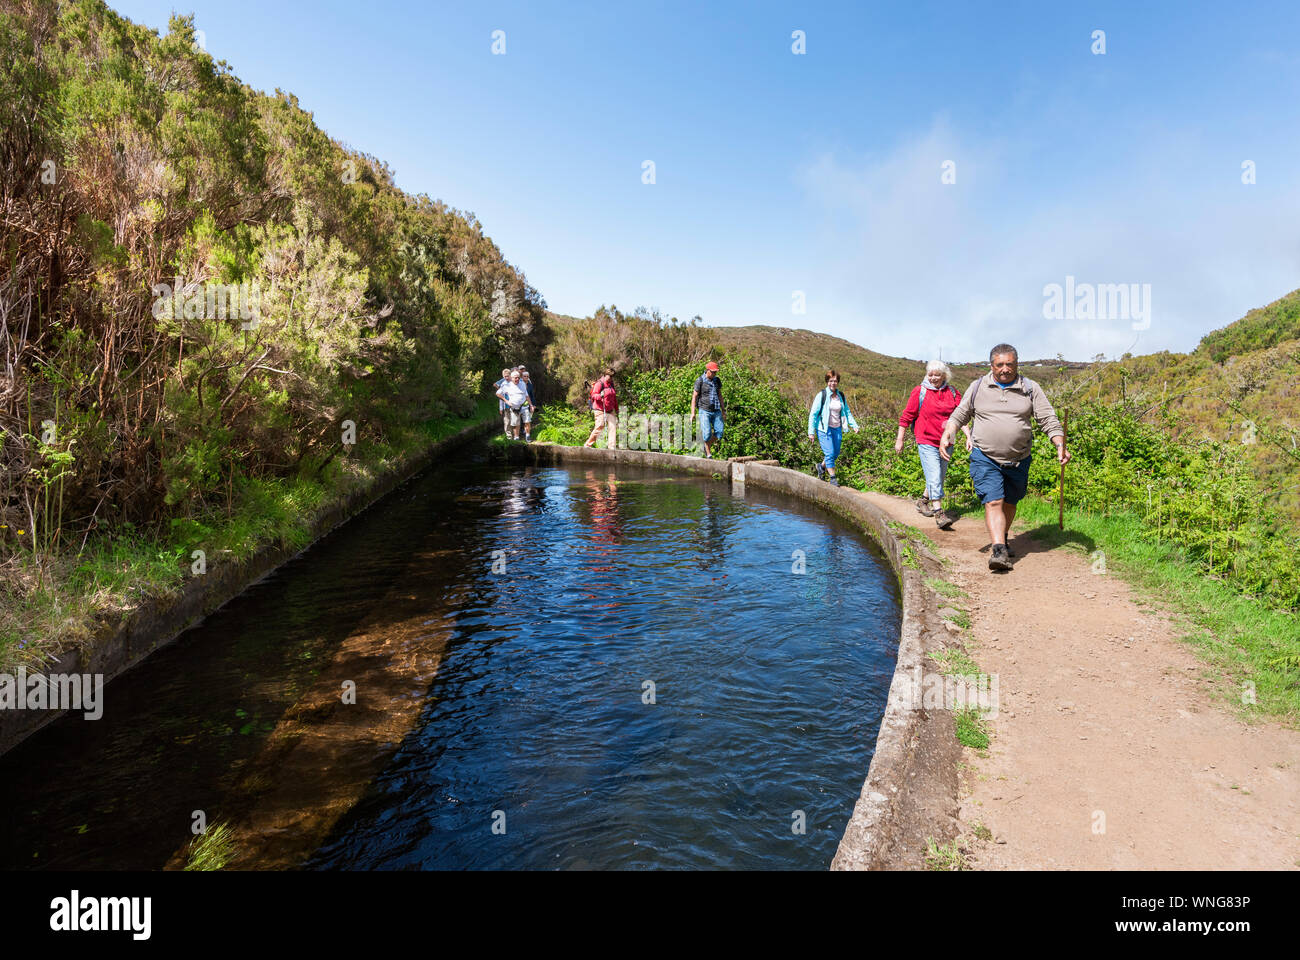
{"type": "Point", "coordinates": [710, 366]}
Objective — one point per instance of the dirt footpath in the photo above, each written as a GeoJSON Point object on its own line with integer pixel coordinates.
{"type": "Point", "coordinates": [1108, 750]}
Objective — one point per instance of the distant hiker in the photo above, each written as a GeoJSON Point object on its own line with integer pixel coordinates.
{"type": "Point", "coordinates": [926, 413]}
{"type": "Point", "coordinates": [501, 404]}
{"type": "Point", "coordinates": [532, 402]}
{"type": "Point", "coordinates": [604, 404]}
{"type": "Point", "coordinates": [1004, 407]}
{"type": "Point", "coordinates": [827, 416]}
{"type": "Point", "coordinates": [707, 395]}
{"type": "Point", "coordinates": [515, 396]}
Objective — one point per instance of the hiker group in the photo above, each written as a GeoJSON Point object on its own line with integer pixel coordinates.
{"type": "Point", "coordinates": [706, 397]}
{"type": "Point", "coordinates": [997, 416]}
{"type": "Point", "coordinates": [514, 393]}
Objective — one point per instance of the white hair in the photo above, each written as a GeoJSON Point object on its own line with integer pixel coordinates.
{"type": "Point", "coordinates": [934, 365]}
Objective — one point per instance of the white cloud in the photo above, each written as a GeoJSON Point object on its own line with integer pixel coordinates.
{"type": "Point", "coordinates": [920, 265]}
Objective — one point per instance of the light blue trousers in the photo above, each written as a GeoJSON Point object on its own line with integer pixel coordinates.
{"type": "Point", "coordinates": [935, 469]}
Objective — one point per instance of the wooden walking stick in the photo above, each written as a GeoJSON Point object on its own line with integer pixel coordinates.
{"type": "Point", "coordinates": [1065, 435]}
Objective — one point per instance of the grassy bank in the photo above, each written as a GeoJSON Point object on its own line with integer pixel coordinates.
{"type": "Point", "coordinates": [46, 606]}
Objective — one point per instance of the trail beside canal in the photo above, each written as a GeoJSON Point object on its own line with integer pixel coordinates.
{"type": "Point", "coordinates": [1111, 748]}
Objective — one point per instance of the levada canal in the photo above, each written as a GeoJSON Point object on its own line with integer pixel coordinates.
{"type": "Point", "coordinates": [551, 668]}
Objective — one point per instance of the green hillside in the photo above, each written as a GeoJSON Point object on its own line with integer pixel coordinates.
{"type": "Point", "coordinates": [795, 360]}
{"type": "Point", "coordinates": [875, 383]}
{"type": "Point", "coordinates": [1238, 387]}
{"type": "Point", "coordinates": [1261, 328]}
{"type": "Point", "coordinates": [143, 416]}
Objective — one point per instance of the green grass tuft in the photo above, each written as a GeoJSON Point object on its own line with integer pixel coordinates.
{"type": "Point", "coordinates": [944, 856]}
{"type": "Point", "coordinates": [212, 850]}
{"type": "Point", "coordinates": [972, 729]}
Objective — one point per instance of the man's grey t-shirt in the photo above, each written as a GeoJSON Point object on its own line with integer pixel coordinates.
{"type": "Point", "coordinates": [710, 392]}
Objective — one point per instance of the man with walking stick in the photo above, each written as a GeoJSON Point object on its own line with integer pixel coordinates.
{"type": "Point", "coordinates": [1003, 407]}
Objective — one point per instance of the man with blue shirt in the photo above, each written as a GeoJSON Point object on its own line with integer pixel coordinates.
{"type": "Point", "coordinates": [501, 404]}
{"type": "Point", "coordinates": [1003, 407]}
{"type": "Point", "coordinates": [532, 403]}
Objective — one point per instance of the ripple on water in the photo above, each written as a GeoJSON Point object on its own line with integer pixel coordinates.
{"type": "Point", "coordinates": [768, 688]}
{"type": "Point", "coordinates": [525, 691]}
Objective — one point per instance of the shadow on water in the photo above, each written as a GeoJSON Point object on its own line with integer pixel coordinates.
{"type": "Point", "coordinates": [519, 695]}
{"type": "Point", "coordinates": [177, 731]}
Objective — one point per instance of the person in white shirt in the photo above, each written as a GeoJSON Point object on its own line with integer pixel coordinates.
{"type": "Point", "coordinates": [501, 404]}
{"type": "Point", "coordinates": [515, 396]}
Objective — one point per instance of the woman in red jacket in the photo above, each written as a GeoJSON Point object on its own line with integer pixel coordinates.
{"type": "Point", "coordinates": [926, 413]}
{"type": "Point", "coordinates": [604, 404]}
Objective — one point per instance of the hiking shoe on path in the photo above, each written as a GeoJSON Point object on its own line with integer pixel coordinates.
{"type": "Point", "coordinates": [944, 519]}
{"type": "Point", "coordinates": [923, 508]}
{"type": "Point", "coordinates": [998, 559]}
{"type": "Point", "coordinates": [832, 481]}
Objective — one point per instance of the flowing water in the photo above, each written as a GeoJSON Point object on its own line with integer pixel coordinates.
{"type": "Point", "coordinates": [497, 667]}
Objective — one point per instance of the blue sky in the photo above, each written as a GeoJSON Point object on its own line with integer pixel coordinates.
{"type": "Point", "coordinates": [822, 172]}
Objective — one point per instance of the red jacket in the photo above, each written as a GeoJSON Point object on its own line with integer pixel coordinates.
{"type": "Point", "coordinates": [929, 419]}
{"type": "Point", "coordinates": [604, 397]}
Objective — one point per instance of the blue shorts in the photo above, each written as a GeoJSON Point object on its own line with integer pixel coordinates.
{"type": "Point", "coordinates": [710, 425]}
{"type": "Point", "coordinates": [995, 482]}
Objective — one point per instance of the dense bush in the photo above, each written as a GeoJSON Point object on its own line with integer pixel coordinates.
{"type": "Point", "coordinates": [626, 343]}
{"type": "Point", "coordinates": [562, 424]}
{"type": "Point", "coordinates": [133, 166]}
{"type": "Point", "coordinates": [1197, 493]}
{"type": "Point", "coordinates": [760, 422]}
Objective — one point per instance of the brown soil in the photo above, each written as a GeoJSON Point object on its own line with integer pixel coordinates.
{"type": "Point", "coordinates": [1104, 713]}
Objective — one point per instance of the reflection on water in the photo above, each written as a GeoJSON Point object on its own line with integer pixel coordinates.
{"type": "Point", "coordinates": [643, 682]}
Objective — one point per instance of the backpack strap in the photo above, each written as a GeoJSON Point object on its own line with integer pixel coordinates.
{"type": "Point", "coordinates": [925, 388]}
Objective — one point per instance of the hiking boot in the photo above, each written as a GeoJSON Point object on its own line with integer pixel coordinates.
{"type": "Point", "coordinates": [923, 508]}
{"type": "Point", "coordinates": [821, 471]}
{"type": "Point", "coordinates": [833, 481]}
{"type": "Point", "coordinates": [944, 519]}
{"type": "Point", "coordinates": [998, 559]}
